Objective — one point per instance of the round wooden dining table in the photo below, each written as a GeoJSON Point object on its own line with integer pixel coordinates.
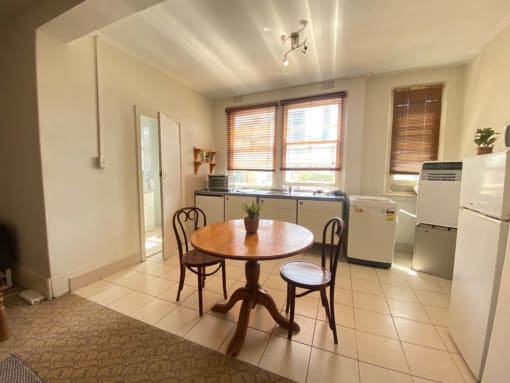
{"type": "Point", "coordinates": [273, 240]}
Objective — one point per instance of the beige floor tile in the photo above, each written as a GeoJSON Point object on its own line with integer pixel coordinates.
{"type": "Point", "coordinates": [209, 299]}
{"type": "Point", "coordinates": [210, 331]}
{"type": "Point", "coordinates": [92, 289]}
{"type": "Point", "coordinates": [447, 339]}
{"type": "Point", "coordinates": [120, 276]}
{"type": "Point", "coordinates": [393, 278]}
{"type": "Point", "coordinates": [381, 351]}
{"type": "Point", "coordinates": [305, 334]}
{"type": "Point", "coordinates": [403, 293]}
{"type": "Point", "coordinates": [280, 298]}
{"type": "Point", "coordinates": [275, 282]}
{"type": "Point", "coordinates": [421, 380]}
{"type": "Point", "coordinates": [215, 284]}
{"type": "Point", "coordinates": [232, 315]}
{"type": "Point", "coordinates": [129, 302]}
{"type": "Point", "coordinates": [445, 285]}
{"type": "Point", "coordinates": [269, 267]}
{"type": "Point", "coordinates": [179, 321]}
{"type": "Point", "coordinates": [408, 310]}
{"type": "Point", "coordinates": [431, 364]}
{"type": "Point", "coordinates": [373, 374]}
{"type": "Point", "coordinates": [434, 299]}
{"type": "Point", "coordinates": [170, 294]}
{"type": "Point", "coordinates": [425, 284]}
{"type": "Point", "coordinates": [308, 307]}
{"type": "Point", "coordinates": [260, 319]}
{"type": "Point", "coordinates": [329, 367]}
{"type": "Point", "coordinates": [152, 311]}
{"type": "Point", "coordinates": [109, 294]}
{"type": "Point", "coordinates": [344, 315]}
{"type": "Point", "coordinates": [419, 333]}
{"type": "Point", "coordinates": [463, 368]}
{"type": "Point", "coordinates": [155, 286]}
{"type": "Point", "coordinates": [286, 358]}
{"type": "Point", "coordinates": [363, 272]}
{"type": "Point", "coordinates": [323, 339]}
{"type": "Point", "coordinates": [342, 296]}
{"type": "Point", "coordinates": [343, 282]}
{"type": "Point", "coordinates": [137, 281]}
{"type": "Point", "coordinates": [370, 302]}
{"type": "Point", "coordinates": [437, 315]}
{"type": "Point", "coordinates": [375, 323]}
{"type": "Point", "coordinates": [366, 286]}
{"type": "Point", "coordinates": [254, 345]}
{"type": "Point", "coordinates": [152, 268]}
{"type": "Point", "coordinates": [235, 273]}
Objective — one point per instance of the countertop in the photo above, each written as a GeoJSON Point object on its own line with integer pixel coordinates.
{"type": "Point", "coordinates": [303, 195]}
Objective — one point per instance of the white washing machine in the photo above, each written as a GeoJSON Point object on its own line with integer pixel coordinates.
{"type": "Point", "coordinates": [371, 231]}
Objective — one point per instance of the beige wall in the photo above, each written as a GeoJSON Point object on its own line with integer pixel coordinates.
{"type": "Point", "coordinates": [487, 102]}
{"type": "Point", "coordinates": [21, 193]}
{"type": "Point", "coordinates": [354, 120]}
{"type": "Point", "coordinates": [92, 213]}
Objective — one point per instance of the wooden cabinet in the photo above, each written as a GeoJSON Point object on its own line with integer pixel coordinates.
{"type": "Point", "coordinates": [213, 207]}
{"type": "Point", "coordinates": [203, 156]}
{"type": "Point", "coordinates": [233, 206]}
{"type": "Point", "coordinates": [278, 209]}
{"type": "Point", "coordinates": [314, 214]}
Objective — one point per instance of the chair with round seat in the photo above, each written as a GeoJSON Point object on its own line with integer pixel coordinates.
{"type": "Point", "coordinates": [190, 219]}
{"type": "Point", "coordinates": [312, 277]}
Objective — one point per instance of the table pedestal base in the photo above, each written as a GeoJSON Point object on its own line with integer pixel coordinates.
{"type": "Point", "coordinates": [251, 294]}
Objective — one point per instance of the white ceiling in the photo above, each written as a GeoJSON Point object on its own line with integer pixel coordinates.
{"type": "Point", "coordinates": [220, 48]}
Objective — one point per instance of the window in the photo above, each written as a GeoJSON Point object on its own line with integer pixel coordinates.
{"type": "Point", "coordinates": [251, 143]}
{"type": "Point", "coordinates": [311, 139]}
{"type": "Point", "coordinates": [415, 130]}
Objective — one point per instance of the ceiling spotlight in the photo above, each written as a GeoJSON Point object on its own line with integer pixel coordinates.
{"type": "Point", "coordinates": [294, 42]}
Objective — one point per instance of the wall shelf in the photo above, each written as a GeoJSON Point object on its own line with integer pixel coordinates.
{"type": "Point", "coordinates": [203, 156]}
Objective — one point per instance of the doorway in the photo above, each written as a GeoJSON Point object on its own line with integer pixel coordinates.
{"type": "Point", "coordinates": [151, 185]}
{"type": "Point", "coordinates": [159, 182]}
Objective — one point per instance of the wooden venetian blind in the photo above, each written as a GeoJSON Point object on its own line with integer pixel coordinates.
{"type": "Point", "coordinates": [251, 137]}
{"type": "Point", "coordinates": [415, 131]}
{"type": "Point", "coordinates": [312, 129]}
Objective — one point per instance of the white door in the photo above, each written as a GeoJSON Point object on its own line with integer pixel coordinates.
{"type": "Point", "coordinates": [479, 256]}
{"type": "Point", "coordinates": [171, 184]}
{"type": "Point", "coordinates": [314, 214]}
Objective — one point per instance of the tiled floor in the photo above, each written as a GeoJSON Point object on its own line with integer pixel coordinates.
{"type": "Point", "coordinates": [153, 241]}
{"type": "Point", "coordinates": [391, 323]}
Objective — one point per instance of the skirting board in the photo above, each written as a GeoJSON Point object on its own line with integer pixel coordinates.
{"type": "Point", "coordinates": [81, 280]}
{"type": "Point", "coordinates": [28, 278]}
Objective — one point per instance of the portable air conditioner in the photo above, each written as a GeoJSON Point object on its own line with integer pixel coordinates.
{"type": "Point", "coordinates": [439, 194]}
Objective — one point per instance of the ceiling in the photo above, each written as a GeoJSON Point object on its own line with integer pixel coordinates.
{"type": "Point", "coordinates": [220, 47]}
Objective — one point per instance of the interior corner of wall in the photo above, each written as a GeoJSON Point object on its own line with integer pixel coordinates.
{"type": "Point", "coordinates": [27, 278]}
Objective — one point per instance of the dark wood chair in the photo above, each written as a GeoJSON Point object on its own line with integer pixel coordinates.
{"type": "Point", "coordinates": [313, 277]}
{"type": "Point", "coordinates": [184, 220]}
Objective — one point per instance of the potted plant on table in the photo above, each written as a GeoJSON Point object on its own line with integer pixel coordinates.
{"type": "Point", "coordinates": [251, 222]}
{"type": "Point", "coordinates": [485, 139]}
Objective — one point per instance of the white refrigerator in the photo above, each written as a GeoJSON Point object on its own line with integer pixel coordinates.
{"type": "Point", "coordinates": [479, 255]}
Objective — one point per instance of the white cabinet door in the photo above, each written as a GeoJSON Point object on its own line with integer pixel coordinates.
{"type": "Point", "coordinates": [234, 206]}
{"type": "Point", "coordinates": [314, 214]}
{"type": "Point", "coordinates": [278, 209]}
{"type": "Point", "coordinates": [212, 206]}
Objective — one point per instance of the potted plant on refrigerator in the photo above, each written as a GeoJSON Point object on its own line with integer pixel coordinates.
{"type": "Point", "coordinates": [251, 222]}
{"type": "Point", "coordinates": [485, 139]}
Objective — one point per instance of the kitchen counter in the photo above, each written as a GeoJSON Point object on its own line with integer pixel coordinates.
{"type": "Point", "coordinates": [302, 195]}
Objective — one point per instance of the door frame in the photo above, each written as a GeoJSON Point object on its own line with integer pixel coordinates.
{"type": "Point", "coordinates": [138, 112]}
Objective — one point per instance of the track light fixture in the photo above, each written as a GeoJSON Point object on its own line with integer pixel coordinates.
{"type": "Point", "coordinates": [294, 42]}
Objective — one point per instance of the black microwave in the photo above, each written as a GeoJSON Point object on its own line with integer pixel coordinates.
{"type": "Point", "coordinates": [220, 183]}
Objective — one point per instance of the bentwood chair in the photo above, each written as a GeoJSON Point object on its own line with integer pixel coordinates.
{"type": "Point", "coordinates": [312, 277]}
{"type": "Point", "coordinates": [183, 220]}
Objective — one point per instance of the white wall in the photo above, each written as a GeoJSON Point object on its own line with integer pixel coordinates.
{"type": "Point", "coordinates": [350, 176]}
{"type": "Point", "coordinates": [487, 102]}
{"type": "Point", "coordinates": [21, 191]}
{"type": "Point", "coordinates": [92, 214]}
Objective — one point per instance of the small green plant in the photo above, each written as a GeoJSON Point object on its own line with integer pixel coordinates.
{"type": "Point", "coordinates": [252, 210]}
{"type": "Point", "coordinates": [485, 137]}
